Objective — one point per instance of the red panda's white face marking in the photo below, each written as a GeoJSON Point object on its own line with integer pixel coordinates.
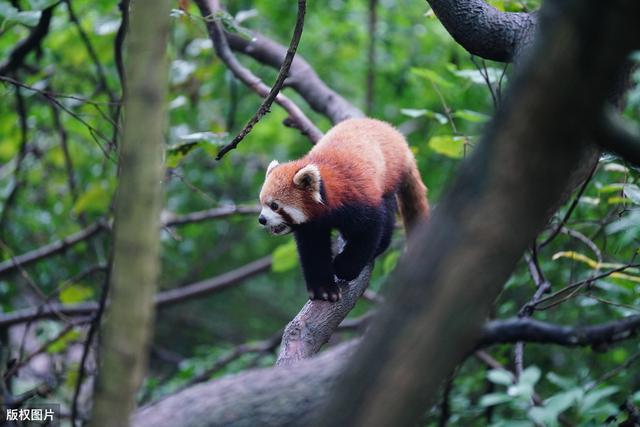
{"type": "Point", "coordinates": [288, 196]}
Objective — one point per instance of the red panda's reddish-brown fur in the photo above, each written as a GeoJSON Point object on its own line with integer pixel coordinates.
{"type": "Point", "coordinates": [360, 160]}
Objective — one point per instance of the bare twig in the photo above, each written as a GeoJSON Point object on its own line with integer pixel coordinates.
{"type": "Point", "coordinates": [93, 329]}
{"type": "Point", "coordinates": [102, 76]}
{"type": "Point", "coordinates": [302, 77]}
{"type": "Point", "coordinates": [52, 248]}
{"type": "Point", "coordinates": [277, 86]}
{"type": "Point", "coordinates": [297, 118]}
{"type": "Point", "coordinates": [264, 346]}
{"type": "Point", "coordinates": [371, 56]}
{"type": "Point", "coordinates": [162, 299]}
{"type": "Point", "coordinates": [170, 219]}
{"type": "Point", "coordinates": [22, 153]}
{"type": "Point", "coordinates": [573, 205]}
{"type": "Point", "coordinates": [575, 286]}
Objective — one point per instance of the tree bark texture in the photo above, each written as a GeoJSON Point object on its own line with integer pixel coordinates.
{"type": "Point", "coordinates": [127, 327]}
{"type": "Point", "coordinates": [280, 396]}
{"type": "Point", "coordinates": [484, 30]}
{"type": "Point", "coordinates": [287, 396]}
{"type": "Point", "coordinates": [499, 203]}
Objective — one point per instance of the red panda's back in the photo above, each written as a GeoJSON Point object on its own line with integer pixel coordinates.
{"type": "Point", "coordinates": [361, 159]}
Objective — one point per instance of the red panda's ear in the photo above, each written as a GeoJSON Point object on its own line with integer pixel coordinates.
{"type": "Point", "coordinates": [308, 177]}
{"type": "Point", "coordinates": [272, 165]}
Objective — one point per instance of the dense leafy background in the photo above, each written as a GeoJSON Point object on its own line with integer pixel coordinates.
{"type": "Point", "coordinates": [425, 84]}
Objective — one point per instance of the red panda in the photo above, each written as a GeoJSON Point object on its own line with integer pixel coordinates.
{"type": "Point", "coordinates": [349, 181]}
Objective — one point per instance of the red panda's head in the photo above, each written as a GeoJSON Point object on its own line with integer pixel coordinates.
{"type": "Point", "coordinates": [290, 195]}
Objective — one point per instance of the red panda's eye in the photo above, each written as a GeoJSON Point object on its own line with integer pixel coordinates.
{"type": "Point", "coordinates": [273, 206]}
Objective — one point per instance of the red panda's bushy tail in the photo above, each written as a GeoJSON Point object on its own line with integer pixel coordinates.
{"type": "Point", "coordinates": [412, 199]}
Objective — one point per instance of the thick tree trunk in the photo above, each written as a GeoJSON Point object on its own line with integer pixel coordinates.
{"type": "Point", "coordinates": [137, 213]}
{"type": "Point", "coordinates": [499, 203]}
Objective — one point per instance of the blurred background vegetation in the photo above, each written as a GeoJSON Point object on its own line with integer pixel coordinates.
{"type": "Point", "coordinates": [58, 173]}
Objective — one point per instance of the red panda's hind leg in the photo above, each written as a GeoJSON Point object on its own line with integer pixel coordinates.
{"type": "Point", "coordinates": [314, 248]}
{"type": "Point", "coordinates": [362, 243]}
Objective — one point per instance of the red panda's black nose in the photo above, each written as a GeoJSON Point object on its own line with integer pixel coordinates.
{"type": "Point", "coordinates": [262, 220]}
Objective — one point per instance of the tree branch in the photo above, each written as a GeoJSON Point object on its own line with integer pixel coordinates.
{"type": "Point", "coordinates": [485, 31]}
{"type": "Point", "coordinates": [171, 219]}
{"type": "Point", "coordinates": [162, 299]}
{"type": "Point", "coordinates": [277, 86]}
{"type": "Point", "coordinates": [29, 44]}
{"type": "Point", "coordinates": [535, 331]}
{"type": "Point", "coordinates": [52, 248]}
{"type": "Point", "coordinates": [247, 399]}
{"type": "Point", "coordinates": [302, 77]}
{"type": "Point", "coordinates": [619, 136]}
{"type": "Point", "coordinates": [296, 115]}
{"type": "Point", "coordinates": [278, 396]}
{"type": "Point", "coordinates": [312, 327]}
{"type": "Point", "coordinates": [497, 191]}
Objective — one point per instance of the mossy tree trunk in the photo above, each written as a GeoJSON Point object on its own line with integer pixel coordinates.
{"type": "Point", "coordinates": [129, 316]}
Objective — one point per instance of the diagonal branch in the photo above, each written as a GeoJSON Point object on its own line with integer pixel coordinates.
{"type": "Point", "coordinates": [52, 248]}
{"type": "Point", "coordinates": [162, 299]}
{"type": "Point", "coordinates": [312, 327]}
{"type": "Point", "coordinates": [297, 117]}
{"type": "Point", "coordinates": [29, 44]}
{"type": "Point", "coordinates": [302, 77]}
{"type": "Point", "coordinates": [277, 86]}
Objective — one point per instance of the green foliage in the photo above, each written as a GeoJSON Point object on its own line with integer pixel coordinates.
{"type": "Point", "coordinates": [425, 84]}
{"type": "Point", "coordinates": [285, 257]}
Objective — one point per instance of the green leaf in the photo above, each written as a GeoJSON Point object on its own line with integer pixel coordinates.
{"type": "Point", "coordinates": [440, 118]}
{"type": "Point", "coordinates": [447, 145]}
{"type": "Point", "coordinates": [42, 4]}
{"type": "Point", "coordinates": [63, 342]}
{"type": "Point", "coordinates": [494, 399]}
{"type": "Point", "coordinates": [75, 293]}
{"type": "Point", "coordinates": [594, 396]}
{"type": "Point", "coordinates": [95, 199]}
{"type": "Point", "coordinates": [561, 401]}
{"type": "Point", "coordinates": [521, 390]}
{"type": "Point", "coordinates": [632, 192]}
{"type": "Point", "coordinates": [230, 24]}
{"type": "Point", "coordinates": [475, 76]}
{"type": "Point", "coordinates": [390, 262]}
{"type": "Point", "coordinates": [628, 222]}
{"type": "Point", "coordinates": [500, 376]}
{"type": "Point", "coordinates": [562, 382]}
{"type": "Point", "coordinates": [176, 153]}
{"type": "Point", "coordinates": [285, 257]}
{"type": "Point", "coordinates": [7, 11]}
{"type": "Point", "coordinates": [471, 116]}
{"type": "Point", "coordinates": [27, 17]}
{"type": "Point", "coordinates": [433, 77]}
{"type": "Point", "coordinates": [530, 376]}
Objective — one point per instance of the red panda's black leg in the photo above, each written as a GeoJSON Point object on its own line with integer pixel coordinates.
{"type": "Point", "coordinates": [390, 209]}
{"type": "Point", "coordinates": [314, 248]}
{"type": "Point", "coordinates": [361, 246]}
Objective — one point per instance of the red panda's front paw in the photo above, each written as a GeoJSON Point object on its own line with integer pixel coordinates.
{"type": "Point", "coordinates": [329, 293]}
